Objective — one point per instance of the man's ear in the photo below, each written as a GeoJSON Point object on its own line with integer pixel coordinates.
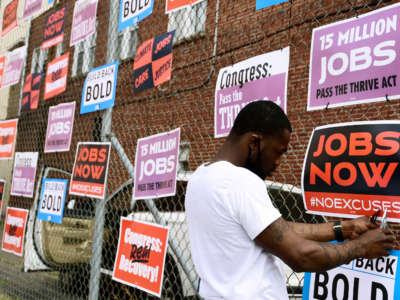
{"type": "Point", "coordinates": [253, 141]}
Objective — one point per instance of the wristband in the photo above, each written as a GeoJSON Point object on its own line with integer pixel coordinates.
{"type": "Point", "coordinates": [337, 229]}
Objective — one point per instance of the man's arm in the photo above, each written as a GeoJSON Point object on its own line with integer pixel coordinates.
{"type": "Point", "coordinates": [306, 255]}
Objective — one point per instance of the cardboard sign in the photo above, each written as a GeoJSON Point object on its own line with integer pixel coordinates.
{"type": "Point", "coordinates": [54, 28]}
{"type": "Point", "coordinates": [263, 77]}
{"type": "Point", "coordinates": [352, 169]}
{"type": "Point", "coordinates": [156, 165]}
{"type": "Point", "coordinates": [140, 257]}
{"type": "Point", "coordinates": [89, 177]}
{"type": "Point", "coordinates": [356, 60]}
{"type": "Point", "coordinates": [2, 66]}
{"type": "Point", "coordinates": [24, 173]}
{"type": "Point", "coordinates": [31, 93]}
{"type": "Point", "coordinates": [99, 88]}
{"type": "Point", "coordinates": [132, 12]}
{"type": "Point", "coordinates": [9, 17]}
{"type": "Point", "coordinates": [8, 132]}
{"type": "Point", "coordinates": [172, 5]}
{"type": "Point", "coordinates": [153, 62]}
{"type": "Point", "coordinates": [265, 3]}
{"type": "Point", "coordinates": [59, 127]}
{"type": "Point", "coordinates": [31, 7]}
{"type": "Point", "coordinates": [2, 192]}
{"type": "Point", "coordinates": [84, 20]}
{"type": "Point", "coordinates": [52, 200]}
{"type": "Point", "coordinates": [56, 76]}
{"type": "Point", "coordinates": [361, 279]}
{"type": "Point", "coordinates": [15, 61]}
{"type": "Point", "coordinates": [14, 230]}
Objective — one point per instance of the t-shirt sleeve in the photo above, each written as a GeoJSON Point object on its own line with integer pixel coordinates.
{"type": "Point", "coordinates": [256, 211]}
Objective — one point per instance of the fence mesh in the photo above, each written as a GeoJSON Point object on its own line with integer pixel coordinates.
{"type": "Point", "coordinates": [210, 35]}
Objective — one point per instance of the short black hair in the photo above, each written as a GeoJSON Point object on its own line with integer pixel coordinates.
{"type": "Point", "coordinates": [261, 116]}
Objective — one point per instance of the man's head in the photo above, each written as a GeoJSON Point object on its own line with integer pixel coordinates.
{"type": "Point", "coordinates": [264, 130]}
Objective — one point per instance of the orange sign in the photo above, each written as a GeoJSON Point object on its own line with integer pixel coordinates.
{"type": "Point", "coordinates": [178, 4]}
{"type": "Point", "coordinates": [56, 76]}
{"type": "Point", "coordinates": [140, 255]}
{"type": "Point", "coordinates": [9, 17]}
{"type": "Point", "coordinates": [8, 130]}
{"type": "Point", "coordinates": [2, 67]}
{"type": "Point", "coordinates": [14, 230]}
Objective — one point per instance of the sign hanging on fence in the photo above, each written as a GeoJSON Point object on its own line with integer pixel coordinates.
{"type": "Point", "coordinates": [9, 17]}
{"type": "Point", "coordinates": [355, 61]}
{"type": "Point", "coordinates": [153, 62]}
{"type": "Point", "coordinates": [31, 7]}
{"type": "Point", "coordinates": [31, 92]}
{"type": "Point", "coordinates": [84, 20]}
{"type": "Point", "coordinates": [52, 200]}
{"type": "Point", "coordinates": [23, 180]}
{"type": "Point", "coordinates": [132, 12]}
{"type": "Point", "coordinates": [99, 88]}
{"type": "Point", "coordinates": [2, 192]}
{"type": "Point", "coordinates": [140, 257]}
{"type": "Point", "coordinates": [263, 77]}
{"type": "Point", "coordinates": [352, 169]}
{"type": "Point", "coordinates": [2, 66]}
{"type": "Point", "coordinates": [265, 3]}
{"type": "Point", "coordinates": [54, 28]}
{"type": "Point", "coordinates": [156, 163]}
{"type": "Point", "coordinates": [172, 5]}
{"type": "Point", "coordinates": [8, 132]}
{"type": "Point", "coordinates": [361, 279]}
{"type": "Point", "coordinates": [89, 177]}
{"type": "Point", "coordinates": [59, 127]}
{"type": "Point", "coordinates": [14, 230]}
{"type": "Point", "coordinates": [56, 76]}
{"type": "Point", "coordinates": [14, 63]}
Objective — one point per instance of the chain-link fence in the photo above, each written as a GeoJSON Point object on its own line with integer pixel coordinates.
{"type": "Point", "coordinates": [77, 256]}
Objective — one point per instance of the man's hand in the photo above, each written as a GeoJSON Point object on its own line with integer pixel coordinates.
{"type": "Point", "coordinates": [376, 242]}
{"type": "Point", "coordinates": [355, 227]}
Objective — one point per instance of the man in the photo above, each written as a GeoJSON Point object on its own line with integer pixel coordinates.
{"type": "Point", "coordinates": [238, 237]}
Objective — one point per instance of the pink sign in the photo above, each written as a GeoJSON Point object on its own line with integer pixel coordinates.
{"type": "Point", "coordinates": [59, 127]}
{"type": "Point", "coordinates": [84, 20]}
{"type": "Point", "coordinates": [31, 7]}
{"type": "Point", "coordinates": [12, 72]}
{"type": "Point", "coordinates": [156, 165]}
{"type": "Point", "coordinates": [24, 173]}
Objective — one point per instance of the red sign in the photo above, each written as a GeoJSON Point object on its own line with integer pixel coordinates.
{"type": "Point", "coordinates": [352, 169]}
{"type": "Point", "coordinates": [140, 255]}
{"type": "Point", "coordinates": [2, 67]}
{"type": "Point", "coordinates": [14, 230]}
{"type": "Point", "coordinates": [56, 76]}
{"type": "Point", "coordinates": [172, 5]}
{"type": "Point", "coordinates": [54, 29]}
{"type": "Point", "coordinates": [8, 130]}
{"type": "Point", "coordinates": [30, 96]}
{"type": "Point", "coordinates": [89, 177]}
{"type": "Point", "coordinates": [9, 17]}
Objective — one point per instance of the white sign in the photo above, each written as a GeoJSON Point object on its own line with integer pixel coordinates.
{"type": "Point", "coordinates": [52, 200]}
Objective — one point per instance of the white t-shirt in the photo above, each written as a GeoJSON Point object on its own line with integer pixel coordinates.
{"type": "Point", "coordinates": [226, 208]}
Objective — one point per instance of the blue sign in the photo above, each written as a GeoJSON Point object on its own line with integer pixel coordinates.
{"type": "Point", "coordinates": [132, 12]}
{"type": "Point", "coordinates": [99, 88]}
{"type": "Point", "coordinates": [52, 200]}
{"type": "Point", "coordinates": [50, 1]}
{"type": "Point", "coordinates": [361, 279]}
{"type": "Point", "coordinates": [264, 3]}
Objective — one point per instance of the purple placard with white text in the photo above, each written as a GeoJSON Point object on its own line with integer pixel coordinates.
{"type": "Point", "coordinates": [355, 61]}
{"type": "Point", "coordinates": [59, 127]}
{"type": "Point", "coordinates": [84, 20]}
{"type": "Point", "coordinates": [31, 7]}
{"type": "Point", "coordinates": [263, 77]}
{"type": "Point", "coordinates": [12, 71]}
{"type": "Point", "coordinates": [156, 165]}
{"type": "Point", "coordinates": [23, 180]}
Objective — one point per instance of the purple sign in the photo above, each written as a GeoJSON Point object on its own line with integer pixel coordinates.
{"type": "Point", "coordinates": [355, 61]}
{"type": "Point", "coordinates": [262, 77]}
{"type": "Point", "coordinates": [156, 165]}
{"type": "Point", "coordinates": [59, 127]}
{"type": "Point", "coordinates": [12, 72]}
{"type": "Point", "coordinates": [23, 180]}
{"type": "Point", "coordinates": [31, 7]}
{"type": "Point", "coordinates": [84, 20]}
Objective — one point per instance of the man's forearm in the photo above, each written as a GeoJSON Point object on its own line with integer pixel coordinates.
{"type": "Point", "coordinates": [316, 232]}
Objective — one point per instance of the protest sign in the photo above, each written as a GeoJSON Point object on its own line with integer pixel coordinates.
{"type": "Point", "coordinates": [355, 61]}
{"type": "Point", "coordinates": [361, 279]}
{"type": "Point", "coordinates": [2, 66]}
{"type": "Point", "coordinates": [263, 77]}
{"type": "Point", "coordinates": [99, 88]}
{"type": "Point", "coordinates": [31, 7]}
{"type": "Point", "coordinates": [352, 169]}
{"type": "Point", "coordinates": [172, 5]}
{"type": "Point", "coordinates": [2, 192]}
{"type": "Point", "coordinates": [56, 76]}
{"type": "Point", "coordinates": [54, 28]}
{"type": "Point", "coordinates": [140, 257]}
{"type": "Point", "coordinates": [153, 62]}
{"type": "Point", "coordinates": [156, 165]}
{"type": "Point", "coordinates": [9, 17]}
{"type": "Point", "coordinates": [132, 12]}
{"type": "Point", "coordinates": [8, 132]}
{"type": "Point", "coordinates": [14, 230]}
{"type": "Point", "coordinates": [59, 127]}
{"type": "Point", "coordinates": [84, 20]}
{"type": "Point", "coordinates": [14, 62]}
{"type": "Point", "coordinates": [89, 177]}
{"type": "Point", "coordinates": [52, 200]}
{"type": "Point", "coordinates": [31, 92]}
{"type": "Point", "coordinates": [24, 173]}
{"type": "Point", "coordinates": [265, 3]}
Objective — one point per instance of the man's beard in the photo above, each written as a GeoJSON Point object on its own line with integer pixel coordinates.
{"type": "Point", "coordinates": [256, 167]}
